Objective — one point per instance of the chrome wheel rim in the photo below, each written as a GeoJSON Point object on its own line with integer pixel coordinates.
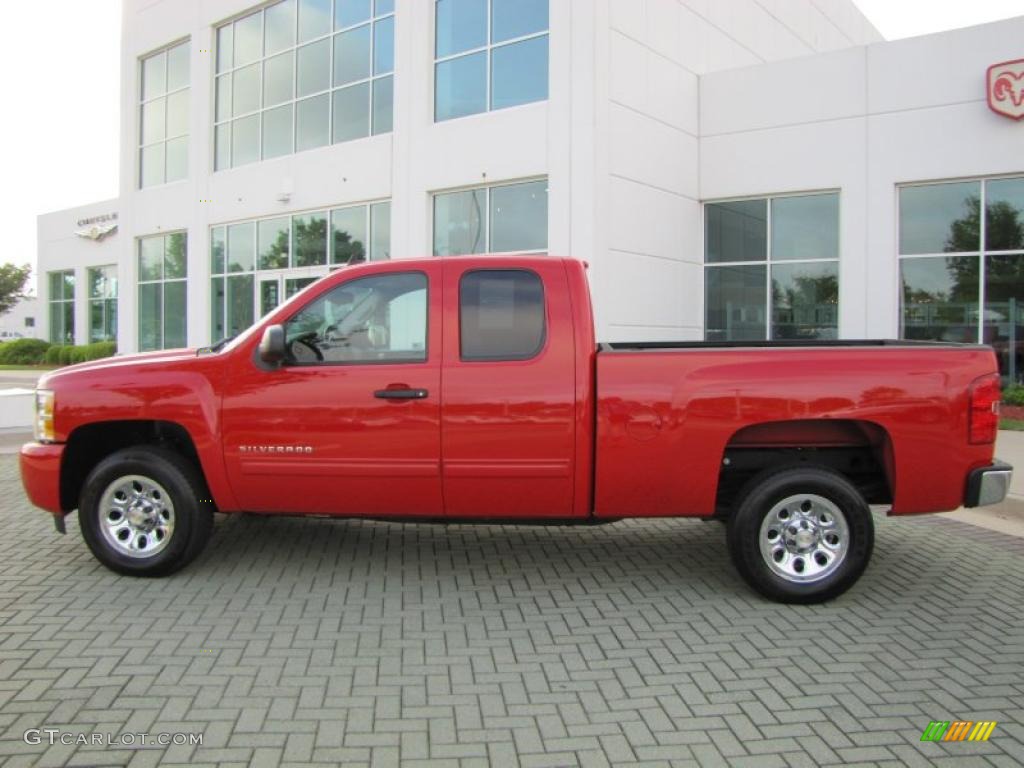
{"type": "Point", "coordinates": [804, 538]}
{"type": "Point", "coordinates": [136, 516]}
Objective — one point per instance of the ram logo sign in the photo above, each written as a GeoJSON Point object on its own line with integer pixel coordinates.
{"type": "Point", "coordinates": [1006, 88]}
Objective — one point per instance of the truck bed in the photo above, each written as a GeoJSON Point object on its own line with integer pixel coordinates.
{"type": "Point", "coordinates": [633, 346]}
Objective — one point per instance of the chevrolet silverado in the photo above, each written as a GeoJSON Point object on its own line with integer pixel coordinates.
{"type": "Point", "coordinates": [473, 389]}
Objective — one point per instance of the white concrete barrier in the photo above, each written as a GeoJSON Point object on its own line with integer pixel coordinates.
{"type": "Point", "coordinates": [16, 408]}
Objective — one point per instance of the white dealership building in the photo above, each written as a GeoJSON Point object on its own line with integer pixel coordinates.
{"type": "Point", "coordinates": [739, 170]}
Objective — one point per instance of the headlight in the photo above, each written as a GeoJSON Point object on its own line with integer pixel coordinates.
{"type": "Point", "coordinates": [44, 416]}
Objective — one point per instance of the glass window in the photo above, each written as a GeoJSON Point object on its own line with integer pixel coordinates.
{"type": "Point", "coordinates": [384, 46]}
{"type": "Point", "coordinates": [62, 307]}
{"type": "Point", "coordinates": [313, 120]}
{"type": "Point", "coordinates": [162, 291]}
{"type": "Point", "coordinates": [461, 26]}
{"type": "Point", "coordinates": [164, 116]}
{"type": "Point", "coordinates": [348, 228]}
{"type": "Point", "coordinates": [248, 259]}
{"type": "Point", "coordinates": [941, 218]}
{"type": "Point", "coordinates": [792, 279]}
{"type": "Point", "coordinates": [519, 217]}
{"type": "Point", "coordinates": [383, 105]}
{"type": "Point", "coordinates": [314, 19]}
{"type": "Point", "coordinates": [246, 90]}
{"type": "Point", "coordinates": [736, 303]}
{"type": "Point", "coordinates": [805, 300]}
{"type": "Point", "coordinates": [973, 297]}
{"type": "Point", "coordinates": [245, 140]}
{"type": "Point", "coordinates": [352, 55]}
{"type": "Point", "coordinates": [310, 235]}
{"type": "Point", "coordinates": [501, 315]}
{"type": "Point", "coordinates": [277, 68]}
{"type": "Point", "coordinates": [279, 80]}
{"type": "Point", "coordinates": [279, 27]}
{"type": "Point", "coordinates": [1004, 215]}
{"type": "Point", "coordinates": [940, 298]}
{"type": "Point", "coordinates": [511, 218]}
{"type": "Point", "coordinates": [274, 243]}
{"type": "Point", "coordinates": [380, 319]}
{"type": "Point", "coordinates": [459, 223]}
{"type": "Point", "coordinates": [349, 12]}
{"type": "Point", "coordinates": [736, 231]}
{"type": "Point", "coordinates": [461, 87]}
{"type": "Point", "coordinates": [248, 39]}
{"type": "Point", "coordinates": [351, 112]}
{"type": "Point", "coordinates": [519, 73]}
{"type": "Point", "coordinates": [380, 231]}
{"type": "Point", "coordinates": [805, 227]}
{"type": "Point", "coordinates": [277, 132]}
{"type": "Point", "coordinates": [314, 67]}
{"type": "Point", "coordinates": [241, 244]}
{"type": "Point", "coordinates": [514, 59]}
{"type": "Point", "coordinates": [518, 18]}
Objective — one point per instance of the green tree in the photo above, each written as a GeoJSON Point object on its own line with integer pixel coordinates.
{"type": "Point", "coordinates": [12, 285]}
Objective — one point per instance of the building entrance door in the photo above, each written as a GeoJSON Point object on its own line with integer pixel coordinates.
{"type": "Point", "coordinates": [276, 289]}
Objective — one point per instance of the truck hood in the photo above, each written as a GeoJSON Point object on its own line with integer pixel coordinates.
{"type": "Point", "coordinates": [118, 363]}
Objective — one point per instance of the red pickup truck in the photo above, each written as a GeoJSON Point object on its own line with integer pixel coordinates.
{"type": "Point", "coordinates": [473, 389]}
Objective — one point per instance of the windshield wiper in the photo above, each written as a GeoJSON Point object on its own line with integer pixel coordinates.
{"type": "Point", "coordinates": [215, 348]}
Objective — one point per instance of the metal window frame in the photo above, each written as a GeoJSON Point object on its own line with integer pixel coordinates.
{"type": "Point", "coordinates": [488, 47]}
{"type": "Point", "coordinates": [330, 36]}
{"type": "Point", "coordinates": [768, 262]}
{"type": "Point", "coordinates": [165, 95]}
{"type": "Point", "coordinates": [162, 282]}
{"type": "Point", "coordinates": [291, 270]}
{"type": "Point", "coordinates": [982, 253]}
{"type": "Point", "coordinates": [486, 215]}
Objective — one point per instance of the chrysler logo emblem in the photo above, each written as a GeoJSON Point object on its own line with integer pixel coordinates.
{"type": "Point", "coordinates": [97, 231]}
{"type": "Point", "coordinates": [1006, 88]}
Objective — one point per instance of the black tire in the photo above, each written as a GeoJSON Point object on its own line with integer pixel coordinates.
{"type": "Point", "coordinates": [761, 496]}
{"type": "Point", "coordinates": [191, 510]}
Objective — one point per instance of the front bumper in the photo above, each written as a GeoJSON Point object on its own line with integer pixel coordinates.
{"type": "Point", "coordinates": [988, 485]}
{"type": "Point", "coordinates": [40, 474]}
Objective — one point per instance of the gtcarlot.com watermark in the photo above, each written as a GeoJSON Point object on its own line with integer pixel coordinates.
{"type": "Point", "coordinates": [132, 740]}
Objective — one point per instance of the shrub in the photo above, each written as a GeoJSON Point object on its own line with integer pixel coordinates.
{"type": "Point", "coordinates": [1014, 395]}
{"type": "Point", "coordinates": [70, 355]}
{"type": "Point", "coordinates": [23, 352]}
{"type": "Point", "coordinates": [52, 355]}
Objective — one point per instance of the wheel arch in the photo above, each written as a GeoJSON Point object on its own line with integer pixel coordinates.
{"type": "Point", "coordinates": [858, 449]}
{"type": "Point", "coordinates": [89, 444]}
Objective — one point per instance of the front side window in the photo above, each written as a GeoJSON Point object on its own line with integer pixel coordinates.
{"type": "Point", "coordinates": [489, 54]}
{"type": "Point", "coordinates": [163, 116]}
{"type": "Point", "coordinates": [62, 306]}
{"type": "Point", "coordinates": [962, 265]}
{"type": "Point", "coordinates": [512, 218]}
{"type": "Point", "coordinates": [162, 310]}
{"type": "Point", "coordinates": [501, 315]}
{"type": "Point", "coordinates": [301, 74]}
{"type": "Point", "coordinates": [772, 268]}
{"type": "Point", "coordinates": [380, 319]}
{"type": "Point", "coordinates": [102, 303]}
{"type": "Point", "coordinates": [256, 265]}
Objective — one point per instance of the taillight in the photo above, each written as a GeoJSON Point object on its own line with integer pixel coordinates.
{"type": "Point", "coordinates": [983, 419]}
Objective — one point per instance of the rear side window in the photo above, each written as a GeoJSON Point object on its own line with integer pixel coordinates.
{"type": "Point", "coordinates": [501, 315]}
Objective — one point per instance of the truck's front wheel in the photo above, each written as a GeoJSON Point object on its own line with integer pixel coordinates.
{"type": "Point", "coordinates": [801, 535]}
{"type": "Point", "coordinates": [144, 512]}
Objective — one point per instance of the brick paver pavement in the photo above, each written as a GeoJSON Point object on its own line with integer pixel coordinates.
{"type": "Point", "coordinates": [315, 642]}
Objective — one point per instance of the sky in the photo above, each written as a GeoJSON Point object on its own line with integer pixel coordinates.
{"type": "Point", "coordinates": [59, 141]}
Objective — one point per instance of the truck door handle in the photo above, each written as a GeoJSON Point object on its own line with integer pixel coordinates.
{"type": "Point", "coordinates": [401, 394]}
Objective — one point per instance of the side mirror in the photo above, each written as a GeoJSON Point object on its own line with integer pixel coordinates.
{"type": "Point", "coordinates": [272, 349]}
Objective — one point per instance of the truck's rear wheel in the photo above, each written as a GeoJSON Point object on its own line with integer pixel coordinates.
{"type": "Point", "coordinates": [801, 535]}
{"type": "Point", "coordinates": [145, 512]}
